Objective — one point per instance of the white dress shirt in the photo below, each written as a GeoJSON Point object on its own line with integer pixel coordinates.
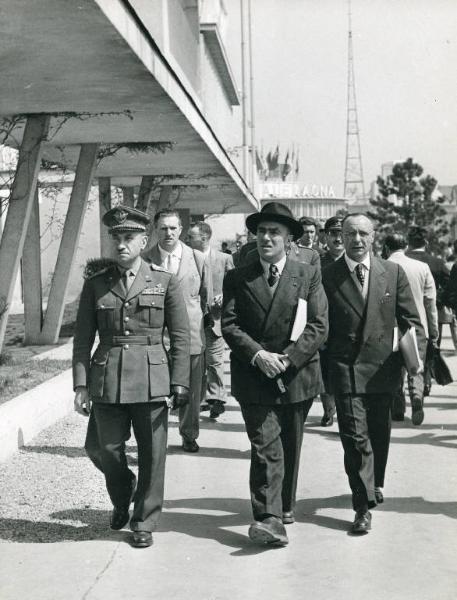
{"type": "Point", "coordinates": [171, 261]}
{"type": "Point", "coordinates": [352, 265]}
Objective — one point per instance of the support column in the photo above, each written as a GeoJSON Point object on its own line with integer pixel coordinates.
{"type": "Point", "coordinates": [104, 204]}
{"type": "Point", "coordinates": [128, 196]}
{"type": "Point", "coordinates": [144, 195]}
{"type": "Point", "coordinates": [184, 214]}
{"type": "Point", "coordinates": [20, 208]}
{"type": "Point", "coordinates": [69, 244]}
{"type": "Point", "coordinates": [31, 277]}
{"type": "Point", "coordinates": [164, 197]}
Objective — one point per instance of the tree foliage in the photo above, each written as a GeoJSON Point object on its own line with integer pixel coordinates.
{"type": "Point", "coordinates": [405, 198]}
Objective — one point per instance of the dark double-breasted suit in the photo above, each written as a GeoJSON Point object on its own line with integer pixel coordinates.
{"type": "Point", "coordinates": [129, 377]}
{"type": "Point", "coordinates": [253, 319]}
{"type": "Point", "coordinates": [363, 370]}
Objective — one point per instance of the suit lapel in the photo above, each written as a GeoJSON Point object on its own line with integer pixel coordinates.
{"type": "Point", "coordinates": [142, 280]}
{"type": "Point", "coordinates": [376, 289]}
{"type": "Point", "coordinates": [116, 285]}
{"type": "Point", "coordinates": [257, 285]}
{"type": "Point", "coordinates": [347, 287]}
{"type": "Point", "coordinates": [185, 263]}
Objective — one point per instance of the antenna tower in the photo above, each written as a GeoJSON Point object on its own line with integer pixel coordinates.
{"type": "Point", "coordinates": [354, 186]}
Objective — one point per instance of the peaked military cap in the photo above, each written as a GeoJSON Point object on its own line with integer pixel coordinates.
{"type": "Point", "coordinates": [126, 218]}
{"type": "Point", "coordinates": [333, 224]}
{"type": "Point", "coordinates": [277, 212]}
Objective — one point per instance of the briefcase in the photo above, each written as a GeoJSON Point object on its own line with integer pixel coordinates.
{"type": "Point", "coordinates": [439, 369]}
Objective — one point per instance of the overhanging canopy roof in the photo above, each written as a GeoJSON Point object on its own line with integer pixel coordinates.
{"type": "Point", "coordinates": [93, 65]}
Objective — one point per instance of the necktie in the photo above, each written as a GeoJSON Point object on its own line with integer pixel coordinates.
{"type": "Point", "coordinates": [126, 280]}
{"type": "Point", "coordinates": [360, 272]}
{"type": "Point", "coordinates": [171, 264]}
{"type": "Point", "coordinates": [273, 278]}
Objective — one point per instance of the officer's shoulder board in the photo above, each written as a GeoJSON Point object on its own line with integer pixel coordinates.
{"type": "Point", "coordinates": [97, 266]}
{"type": "Point", "coordinates": [155, 267]}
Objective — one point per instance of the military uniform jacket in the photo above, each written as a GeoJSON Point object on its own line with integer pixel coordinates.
{"type": "Point", "coordinates": [130, 364]}
{"type": "Point", "coordinates": [253, 320]}
{"type": "Point", "coordinates": [360, 342]}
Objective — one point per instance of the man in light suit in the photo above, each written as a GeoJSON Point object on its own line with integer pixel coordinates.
{"type": "Point", "coordinates": [189, 268]}
{"type": "Point", "coordinates": [217, 263]}
{"type": "Point", "coordinates": [424, 293]}
{"type": "Point", "coordinates": [273, 378]}
{"type": "Point", "coordinates": [368, 297]}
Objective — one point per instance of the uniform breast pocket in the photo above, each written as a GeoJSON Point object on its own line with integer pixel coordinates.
{"type": "Point", "coordinates": [151, 309]}
{"type": "Point", "coordinates": [106, 314]}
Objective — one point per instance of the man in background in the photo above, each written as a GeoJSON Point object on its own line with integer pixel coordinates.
{"type": "Point", "coordinates": [217, 265]}
{"type": "Point", "coordinates": [417, 249]}
{"type": "Point", "coordinates": [335, 250]}
{"type": "Point", "coordinates": [424, 293]}
{"type": "Point", "coordinates": [188, 266]}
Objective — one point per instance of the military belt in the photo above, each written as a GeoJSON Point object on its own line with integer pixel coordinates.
{"type": "Point", "coordinates": [134, 340]}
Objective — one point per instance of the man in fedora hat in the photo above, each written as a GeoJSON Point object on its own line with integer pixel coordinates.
{"type": "Point", "coordinates": [129, 380]}
{"type": "Point", "coordinates": [272, 377]}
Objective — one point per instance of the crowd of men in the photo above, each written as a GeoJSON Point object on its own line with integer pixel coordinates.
{"type": "Point", "coordinates": [307, 311]}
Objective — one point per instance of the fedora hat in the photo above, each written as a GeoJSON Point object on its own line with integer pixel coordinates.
{"type": "Point", "coordinates": [277, 212]}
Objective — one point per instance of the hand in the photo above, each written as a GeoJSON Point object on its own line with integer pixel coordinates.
{"type": "Point", "coordinates": [82, 401]}
{"type": "Point", "coordinates": [285, 360]}
{"type": "Point", "coordinates": [270, 363]}
{"type": "Point", "coordinates": [179, 396]}
{"type": "Point", "coordinates": [217, 300]}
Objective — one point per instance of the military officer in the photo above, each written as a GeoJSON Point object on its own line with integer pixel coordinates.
{"type": "Point", "coordinates": [130, 380]}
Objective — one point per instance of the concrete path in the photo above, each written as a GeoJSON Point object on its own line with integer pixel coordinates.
{"type": "Point", "coordinates": [55, 543]}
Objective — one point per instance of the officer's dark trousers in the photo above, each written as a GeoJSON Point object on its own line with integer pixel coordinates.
{"type": "Point", "coordinates": [150, 426]}
{"type": "Point", "coordinates": [364, 422]}
{"type": "Point", "coordinates": [276, 434]}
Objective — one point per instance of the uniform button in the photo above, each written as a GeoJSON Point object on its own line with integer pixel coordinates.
{"type": "Point", "coordinates": [126, 346]}
{"type": "Point", "coordinates": [163, 360]}
{"type": "Point", "coordinates": [127, 332]}
{"type": "Point", "coordinates": [126, 319]}
{"type": "Point", "coordinates": [152, 303]}
{"type": "Point", "coordinates": [127, 304]}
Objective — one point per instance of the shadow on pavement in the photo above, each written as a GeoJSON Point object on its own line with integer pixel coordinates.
{"type": "Point", "coordinates": [94, 523]}
{"type": "Point", "coordinates": [94, 526]}
{"type": "Point", "coordinates": [213, 452]}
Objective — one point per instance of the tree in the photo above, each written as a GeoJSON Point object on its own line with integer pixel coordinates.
{"type": "Point", "coordinates": [405, 198]}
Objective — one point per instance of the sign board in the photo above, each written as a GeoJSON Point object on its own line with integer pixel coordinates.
{"type": "Point", "coordinates": [281, 189]}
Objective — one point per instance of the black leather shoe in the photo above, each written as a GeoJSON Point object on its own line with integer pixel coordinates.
{"type": "Point", "coordinates": [190, 446]}
{"type": "Point", "coordinates": [327, 421]}
{"type": "Point", "coordinates": [378, 495]}
{"type": "Point", "coordinates": [141, 539]}
{"type": "Point", "coordinates": [417, 415]}
{"type": "Point", "coordinates": [217, 408]}
{"type": "Point", "coordinates": [119, 518]}
{"type": "Point", "coordinates": [362, 522]}
{"type": "Point", "coordinates": [120, 514]}
{"type": "Point", "coordinates": [269, 531]}
{"type": "Point", "coordinates": [427, 390]}
{"type": "Point", "coordinates": [288, 517]}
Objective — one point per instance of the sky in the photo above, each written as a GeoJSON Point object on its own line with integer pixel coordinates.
{"type": "Point", "coordinates": [405, 62]}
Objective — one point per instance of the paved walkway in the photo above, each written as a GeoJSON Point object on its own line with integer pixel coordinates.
{"type": "Point", "coordinates": [55, 543]}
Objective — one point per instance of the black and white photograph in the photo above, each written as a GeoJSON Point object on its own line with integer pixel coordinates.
{"type": "Point", "coordinates": [228, 299]}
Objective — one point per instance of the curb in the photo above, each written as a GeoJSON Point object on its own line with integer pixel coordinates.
{"type": "Point", "coordinates": [24, 417]}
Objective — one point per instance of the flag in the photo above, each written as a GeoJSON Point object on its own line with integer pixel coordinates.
{"type": "Point", "coordinates": [275, 159]}
{"type": "Point", "coordinates": [286, 168]}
